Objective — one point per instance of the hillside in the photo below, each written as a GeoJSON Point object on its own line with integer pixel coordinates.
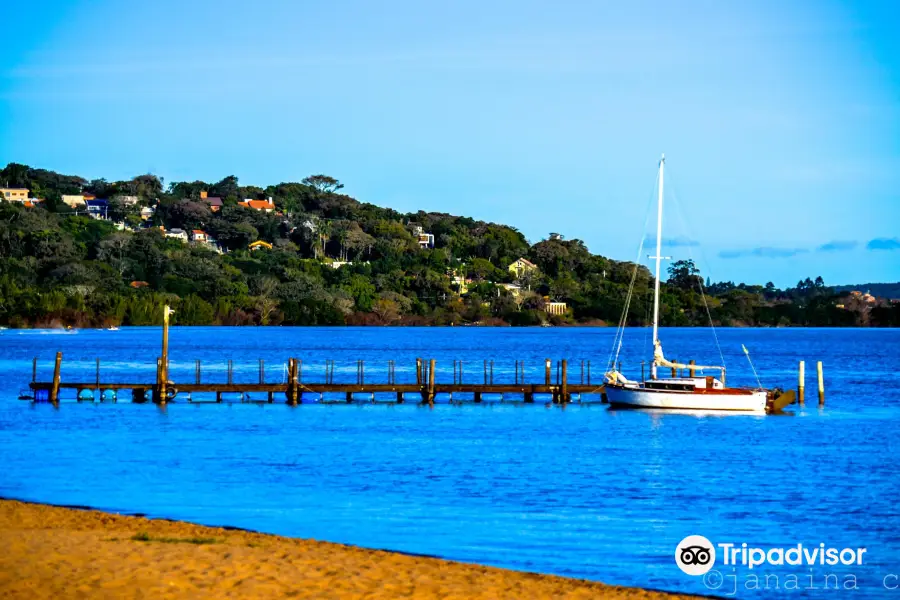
{"type": "Point", "coordinates": [95, 253]}
{"type": "Point", "coordinates": [880, 290]}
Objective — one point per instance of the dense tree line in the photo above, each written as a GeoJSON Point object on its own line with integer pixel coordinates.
{"type": "Point", "coordinates": [62, 268]}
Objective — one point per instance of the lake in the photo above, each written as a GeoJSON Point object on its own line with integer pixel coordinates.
{"type": "Point", "coordinates": [582, 491]}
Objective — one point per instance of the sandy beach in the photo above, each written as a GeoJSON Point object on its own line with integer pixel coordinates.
{"type": "Point", "coordinates": [54, 552]}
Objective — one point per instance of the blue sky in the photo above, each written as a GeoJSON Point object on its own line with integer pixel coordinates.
{"type": "Point", "coordinates": [780, 120]}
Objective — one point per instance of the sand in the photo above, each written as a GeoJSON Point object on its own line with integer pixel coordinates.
{"type": "Point", "coordinates": [54, 552]}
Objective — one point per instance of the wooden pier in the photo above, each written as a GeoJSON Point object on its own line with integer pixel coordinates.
{"type": "Point", "coordinates": [425, 389]}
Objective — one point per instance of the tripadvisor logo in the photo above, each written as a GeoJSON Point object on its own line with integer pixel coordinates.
{"type": "Point", "coordinates": [695, 555]}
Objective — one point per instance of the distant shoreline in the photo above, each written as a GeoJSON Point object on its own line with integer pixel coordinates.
{"type": "Point", "coordinates": [65, 552]}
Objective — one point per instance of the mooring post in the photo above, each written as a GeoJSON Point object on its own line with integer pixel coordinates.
{"type": "Point", "coordinates": [98, 376]}
{"type": "Point", "coordinates": [485, 372]}
{"type": "Point", "coordinates": [197, 371]}
{"type": "Point", "coordinates": [230, 372]}
{"type": "Point", "coordinates": [691, 370]}
{"type": "Point", "coordinates": [674, 369]}
{"type": "Point", "coordinates": [34, 369]}
{"type": "Point", "coordinates": [164, 359]}
{"type": "Point", "coordinates": [54, 390]}
{"type": "Point", "coordinates": [492, 372]}
{"type": "Point", "coordinates": [262, 371]}
{"type": "Point", "coordinates": [431, 382]}
{"type": "Point", "coordinates": [547, 372]}
{"type": "Point", "coordinates": [801, 383]}
{"type": "Point", "coordinates": [299, 371]}
{"type": "Point", "coordinates": [419, 372]}
{"type": "Point", "coordinates": [821, 383]}
{"type": "Point", "coordinates": [582, 372]}
{"type": "Point", "coordinates": [564, 383]}
{"type": "Point", "coordinates": [294, 383]}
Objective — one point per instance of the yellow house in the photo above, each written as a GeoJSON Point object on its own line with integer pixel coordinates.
{"type": "Point", "coordinates": [73, 200]}
{"type": "Point", "coordinates": [14, 194]}
{"type": "Point", "coordinates": [260, 244]}
{"type": "Point", "coordinates": [521, 267]}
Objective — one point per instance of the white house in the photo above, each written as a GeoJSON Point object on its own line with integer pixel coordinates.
{"type": "Point", "coordinates": [178, 234]}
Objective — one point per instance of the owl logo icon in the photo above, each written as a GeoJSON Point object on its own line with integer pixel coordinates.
{"type": "Point", "coordinates": [695, 555]}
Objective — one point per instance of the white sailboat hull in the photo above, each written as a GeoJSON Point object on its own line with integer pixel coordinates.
{"type": "Point", "coordinates": [731, 400]}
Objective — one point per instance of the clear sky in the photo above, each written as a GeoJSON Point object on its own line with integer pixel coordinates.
{"type": "Point", "coordinates": [780, 120]}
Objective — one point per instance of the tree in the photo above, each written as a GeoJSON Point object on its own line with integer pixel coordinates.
{"type": "Point", "coordinates": [323, 183]}
{"type": "Point", "coordinates": [684, 275]}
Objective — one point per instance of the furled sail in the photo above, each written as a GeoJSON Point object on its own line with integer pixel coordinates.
{"type": "Point", "coordinates": [660, 360]}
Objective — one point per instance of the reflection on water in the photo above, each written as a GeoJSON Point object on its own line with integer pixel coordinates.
{"type": "Point", "coordinates": [585, 491]}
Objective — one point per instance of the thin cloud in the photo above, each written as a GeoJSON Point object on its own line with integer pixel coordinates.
{"type": "Point", "coordinates": [884, 244]}
{"type": "Point", "coordinates": [763, 252]}
{"type": "Point", "coordinates": [838, 246]}
{"type": "Point", "coordinates": [675, 242]}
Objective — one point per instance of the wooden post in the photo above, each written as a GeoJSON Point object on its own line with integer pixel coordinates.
{"type": "Point", "coordinates": [589, 372]}
{"type": "Point", "coordinates": [34, 369]}
{"type": "Point", "coordinates": [564, 383]}
{"type": "Point", "coordinates": [492, 372]}
{"type": "Point", "coordinates": [197, 371]}
{"type": "Point", "coordinates": [582, 372]}
{"type": "Point", "coordinates": [821, 383]}
{"type": "Point", "coordinates": [399, 397]}
{"type": "Point", "coordinates": [801, 383]}
{"type": "Point", "coordinates": [271, 397]}
{"type": "Point", "coordinates": [419, 372]}
{"type": "Point", "coordinates": [477, 397]}
{"type": "Point", "coordinates": [547, 372]}
{"type": "Point", "coordinates": [431, 382]}
{"type": "Point", "coordinates": [230, 372]}
{"type": "Point", "coordinates": [691, 370]}
{"type": "Point", "coordinates": [98, 377]}
{"type": "Point", "coordinates": [54, 391]}
{"type": "Point", "coordinates": [262, 371]}
{"type": "Point", "coordinates": [674, 369]}
{"type": "Point", "coordinates": [164, 361]}
{"type": "Point", "coordinates": [485, 372]}
{"type": "Point", "coordinates": [349, 397]}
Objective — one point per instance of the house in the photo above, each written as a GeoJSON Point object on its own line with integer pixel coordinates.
{"type": "Point", "coordinates": [264, 205]}
{"type": "Point", "coordinates": [74, 200]}
{"type": "Point", "coordinates": [127, 200]}
{"type": "Point", "coordinates": [198, 236]}
{"type": "Point", "coordinates": [555, 308]}
{"type": "Point", "coordinates": [259, 244]}
{"type": "Point", "coordinates": [514, 290]}
{"type": "Point", "coordinates": [139, 284]}
{"type": "Point", "coordinates": [214, 202]}
{"type": "Point", "coordinates": [522, 267]}
{"type": "Point", "coordinates": [177, 234]}
{"type": "Point", "coordinates": [14, 194]}
{"type": "Point", "coordinates": [147, 213]}
{"type": "Point", "coordinates": [425, 240]}
{"type": "Point", "coordinates": [556, 237]}
{"type": "Point", "coordinates": [97, 209]}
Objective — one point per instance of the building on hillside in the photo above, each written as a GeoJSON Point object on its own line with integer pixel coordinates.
{"type": "Point", "coordinates": [522, 267]}
{"type": "Point", "coordinates": [127, 201]}
{"type": "Point", "coordinates": [198, 236]}
{"type": "Point", "coordinates": [177, 234]}
{"type": "Point", "coordinates": [97, 209]}
{"type": "Point", "coordinates": [14, 194]}
{"type": "Point", "coordinates": [556, 237]}
{"type": "Point", "coordinates": [259, 244]}
{"type": "Point", "coordinates": [139, 284]}
{"type": "Point", "coordinates": [214, 202]}
{"type": "Point", "coordinates": [263, 205]}
{"type": "Point", "coordinates": [147, 213]}
{"type": "Point", "coordinates": [425, 240]}
{"type": "Point", "coordinates": [514, 290]}
{"type": "Point", "coordinates": [74, 201]}
{"type": "Point", "coordinates": [555, 308]}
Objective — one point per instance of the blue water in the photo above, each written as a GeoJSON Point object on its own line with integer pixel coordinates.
{"type": "Point", "coordinates": [583, 491]}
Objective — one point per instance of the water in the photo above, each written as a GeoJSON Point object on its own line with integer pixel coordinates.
{"type": "Point", "coordinates": [586, 491]}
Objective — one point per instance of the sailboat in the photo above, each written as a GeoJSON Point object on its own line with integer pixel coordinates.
{"type": "Point", "coordinates": [691, 393]}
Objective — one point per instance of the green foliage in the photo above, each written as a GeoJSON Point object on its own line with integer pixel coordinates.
{"type": "Point", "coordinates": [56, 267]}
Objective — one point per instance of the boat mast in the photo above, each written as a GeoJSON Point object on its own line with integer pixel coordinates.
{"type": "Point", "coordinates": [658, 257]}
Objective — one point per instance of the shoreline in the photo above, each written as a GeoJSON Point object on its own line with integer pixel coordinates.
{"type": "Point", "coordinates": [53, 551]}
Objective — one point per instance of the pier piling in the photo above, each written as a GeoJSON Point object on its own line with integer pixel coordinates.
{"type": "Point", "coordinates": [801, 383]}
{"type": "Point", "coordinates": [54, 391]}
{"type": "Point", "coordinates": [821, 383]}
